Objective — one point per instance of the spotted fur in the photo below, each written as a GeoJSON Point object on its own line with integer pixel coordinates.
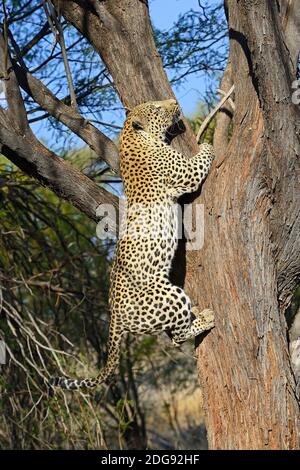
{"type": "Point", "coordinates": [142, 299]}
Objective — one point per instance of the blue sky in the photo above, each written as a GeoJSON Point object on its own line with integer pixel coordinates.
{"type": "Point", "coordinates": [163, 14]}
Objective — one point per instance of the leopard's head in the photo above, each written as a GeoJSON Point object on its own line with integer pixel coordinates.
{"type": "Point", "coordinates": [154, 117]}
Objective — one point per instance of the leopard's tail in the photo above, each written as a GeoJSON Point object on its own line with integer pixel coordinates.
{"type": "Point", "coordinates": [113, 358]}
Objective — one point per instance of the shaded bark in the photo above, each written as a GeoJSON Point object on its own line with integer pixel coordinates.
{"type": "Point", "coordinates": [290, 13]}
{"type": "Point", "coordinates": [16, 112]}
{"type": "Point", "coordinates": [249, 266]}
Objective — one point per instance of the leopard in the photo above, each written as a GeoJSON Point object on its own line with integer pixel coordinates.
{"type": "Point", "coordinates": [142, 299]}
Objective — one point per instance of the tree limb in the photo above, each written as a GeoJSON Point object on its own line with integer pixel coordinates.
{"type": "Point", "coordinates": [97, 141]}
{"type": "Point", "coordinates": [44, 31]}
{"type": "Point", "coordinates": [52, 171]}
{"type": "Point", "coordinates": [224, 117]}
{"type": "Point", "coordinates": [212, 114]}
{"type": "Point", "coordinates": [230, 100]}
{"type": "Point", "coordinates": [58, 32]}
{"type": "Point", "coordinates": [16, 108]}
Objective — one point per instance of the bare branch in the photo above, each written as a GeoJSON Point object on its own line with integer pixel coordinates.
{"type": "Point", "coordinates": [16, 108]}
{"type": "Point", "coordinates": [39, 118]}
{"type": "Point", "coordinates": [224, 117]}
{"type": "Point", "coordinates": [58, 32]}
{"type": "Point", "coordinates": [24, 15]}
{"type": "Point", "coordinates": [105, 124]}
{"type": "Point", "coordinates": [102, 145]}
{"type": "Point", "coordinates": [45, 30]}
{"type": "Point", "coordinates": [52, 171]}
{"type": "Point", "coordinates": [212, 114]}
{"type": "Point", "coordinates": [230, 101]}
{"type": "Point", "coordinates": [54, 56]}
{"type": "Point", "coordinates": [16, 49]}
{"type": "Point", "coordinates": [5, 36]}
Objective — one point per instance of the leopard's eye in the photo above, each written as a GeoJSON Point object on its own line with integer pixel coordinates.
{"type": "Point", "coordinates": [156, 107]}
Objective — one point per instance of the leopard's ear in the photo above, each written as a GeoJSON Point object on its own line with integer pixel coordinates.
{"type": "Point", "coordinates": [137, 125]}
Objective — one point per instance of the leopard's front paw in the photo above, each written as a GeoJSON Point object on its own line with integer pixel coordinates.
{"type": "Point", "coordinates": [206, 316]}
{"type": "Point", "coordinates": [207, 150]}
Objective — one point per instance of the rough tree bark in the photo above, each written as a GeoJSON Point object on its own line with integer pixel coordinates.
{"type": "Point", "coordinates": [249, 266]}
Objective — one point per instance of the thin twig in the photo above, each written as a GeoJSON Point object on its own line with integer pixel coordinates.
{"type": "Point", "coordinates": [105, 124]}
{"type": "Point", "coordinates": [40, 35]}
{"type": "Point", "coordinates": [54, 56]}
{"type": "Point", "coordinates": [5, 34]}
{"type": "Point", "coordinates": [230, 100]}
{"type": "Point", "coordinates": [61, 40]}
{"type": "Point", "coordinates": [212, 114]}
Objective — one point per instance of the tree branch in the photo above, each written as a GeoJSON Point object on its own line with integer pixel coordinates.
{"type": "Point", "coordinates": [54, 56]}
{"type": "Point", "coordinates": [18, 143]}
{"type": "Point", "coordinates": [115, 45]}
{"type": "Point", "coordinates": [224, 117]}
{"type": "Point", "coordinates": [16, 108]}
{"type": "Point", "coordinates": [97, 141]}
{"type": "Point", "coordinates": [58, 32]}
{"type": "Point", "coordinates": [52, 171]}
{"type": "Point", "coordinates": [44, 31]}
{"type": "Point", "coordinates": [212, 114]}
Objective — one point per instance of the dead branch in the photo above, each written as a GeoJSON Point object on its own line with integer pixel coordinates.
{"type": "Point", "coordinates": [55, 25]}
{"type": "Point", "coordinates": [16, 109]}
{"type": "Point", "coordinates": [212, 114]}
{"type": "Point", "coordinates": [97, 141]}
{"type": "Point", "coordinates": [224, 117]}
{"type": "Point", "coordinates": [52, 171]}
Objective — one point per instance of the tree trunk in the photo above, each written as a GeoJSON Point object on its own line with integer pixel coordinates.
{"type": "Point", "coordinates": [249, 266]}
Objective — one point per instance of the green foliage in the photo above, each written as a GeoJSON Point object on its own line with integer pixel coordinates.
{"type": "Point", "coordinates": [54, 277]}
